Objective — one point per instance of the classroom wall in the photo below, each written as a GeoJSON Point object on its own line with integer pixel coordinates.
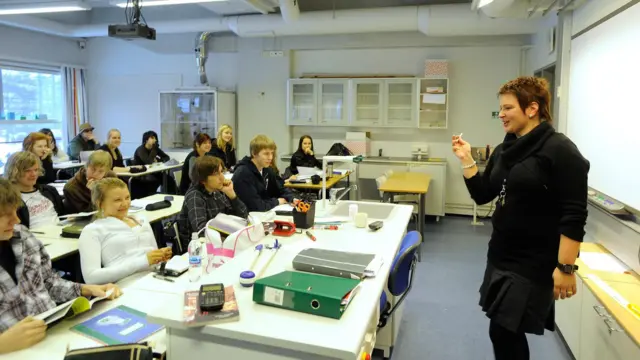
{"type": "Point", "coordinates": [33, 47]}
{"type": "Point", "coordinates": [539, 55]}
{"type": "Point", "coordinates": [594, 10]}
{"type": "Point", "coordinates": [479, 65]}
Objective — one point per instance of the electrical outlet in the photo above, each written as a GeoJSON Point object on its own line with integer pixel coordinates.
{"type": "Point", "coordinates": [276, 53]}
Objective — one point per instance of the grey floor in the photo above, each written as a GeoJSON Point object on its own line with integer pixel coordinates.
{"type": "Point", "coordinates": [442, 320]}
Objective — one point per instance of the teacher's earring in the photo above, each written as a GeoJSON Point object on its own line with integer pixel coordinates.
{"type": "Point", "coordinates": [530, 116]}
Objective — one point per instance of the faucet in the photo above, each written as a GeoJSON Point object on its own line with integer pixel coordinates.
{"type": "Point", "coordinates": [333, 193]}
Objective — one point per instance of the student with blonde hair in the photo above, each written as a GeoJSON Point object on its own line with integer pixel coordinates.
{"type": "Point", "coordinates": [223, 147]}
{"type": "Point", "coordinates": [42, 203]}
{"type": "Point", "coordinates": [77, 191]}
{"type": "Point", "coordinates": [28, 284]}
{"type": "Point", "coordinates": [253, 176]}
{"type": "Point", "coordinates": [114, 139]}
{"type": "Point", "coordinates": [116, 244]}
{"type": "Point", "coordinates": [38, 143]}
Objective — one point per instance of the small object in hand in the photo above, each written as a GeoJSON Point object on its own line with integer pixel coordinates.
{"type": "Point", "coordinates": [376, 225]}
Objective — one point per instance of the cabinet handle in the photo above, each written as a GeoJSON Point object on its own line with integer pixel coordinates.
{"type": "Point", "coordinates": [610, 327]}
{"type": "Point", "coordinates": [597, 309]}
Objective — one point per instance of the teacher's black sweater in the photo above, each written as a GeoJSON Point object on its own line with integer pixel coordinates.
{"type": "Point", "coordinates": [544, 177]}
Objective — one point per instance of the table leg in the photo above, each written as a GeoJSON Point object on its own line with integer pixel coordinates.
{"type": "Point", "coordinates": [475, 215]}
{"type": "Point", "coordinates": [130, 179]}
{"type": "Point", "coordinates": [165, 175]}
{"type": "Point", "coordinates": [58, 174]}
{"type": "Point", "coordinates": [420, 225]}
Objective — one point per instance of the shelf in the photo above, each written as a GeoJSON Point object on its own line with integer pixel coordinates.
{"type": "Point", "coordinates": [26, 122]}
{"type": "Point", "coordinates": [434, 111]}
{"type": "Point", "coordinates": [399, 107]}
{"type": "Point", "coordinates": [434, 93]}
{"type": "Point", "coordinates": [188, 122]}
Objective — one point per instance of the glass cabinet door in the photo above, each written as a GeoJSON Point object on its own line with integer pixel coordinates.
{"type": "Point", "coordinates": [332, 102]}
{"type": "Point", "coordinates": [302, 102]}
{"type": "Point", "coordinates": [367, 102]}
{"type": "Point", "coordinates": [401, 103]}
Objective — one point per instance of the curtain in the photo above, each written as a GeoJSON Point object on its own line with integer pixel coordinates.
{"type": "Point", "coordinates": [76, 99]}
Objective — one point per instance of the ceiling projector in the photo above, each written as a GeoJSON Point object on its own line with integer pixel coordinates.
{"type": "Point", "coordinates": [132, 31]}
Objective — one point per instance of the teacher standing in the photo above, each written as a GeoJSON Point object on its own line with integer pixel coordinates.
{"type": "Point", "coordinates": [540, 179]}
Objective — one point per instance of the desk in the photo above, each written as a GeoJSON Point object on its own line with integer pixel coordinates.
{"type": "Point", "coordinates": [157, 167]}
{"type": "Point", "coordinates": [269, 333]}
{"type": "Point", "coordinates": [331, 181]}
{"type": "Point", "coordinates": [153, 216]}
{"type": "Point", "coordinates": [410, 183]}
{"type": "Point", "coordinates": [66, 165]}
{"type": "Point", "coordinates": [54, 346]}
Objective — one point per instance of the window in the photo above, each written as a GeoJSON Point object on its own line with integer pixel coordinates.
{"type": "Point", "coordinates": [30, 99]}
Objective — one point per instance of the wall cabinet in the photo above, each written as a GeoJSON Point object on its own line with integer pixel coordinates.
{"type": "Point", "coordinates": [368, 102]}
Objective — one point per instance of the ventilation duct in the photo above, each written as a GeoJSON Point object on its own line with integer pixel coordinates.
{"type": "Point", "coordinates": [516, 8]}
{"type": "Point", "coordinates": [201, 56]}
{"type": "Point", "coordinates": [289, 10]}
{"type": "Point", "coordinates": [432, 20]}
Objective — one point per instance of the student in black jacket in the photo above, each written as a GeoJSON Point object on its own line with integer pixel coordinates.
{"type": "Point", "coordinates": [304, 155]}
{"type": "Point", "coordinates": [41, 204]}
{"type": "Point", "coordinates": [149, 152]}
{"type": "Point", "coordinates": [38, 144]}
{"type": "Point", "coordinates": [201, 146]}
{"type": "Point", "coordinates": [253, 178]}
{"type": "Point", "coordinates": [540, 179]}
{"type": "Point", "coordinates": [222, 147]}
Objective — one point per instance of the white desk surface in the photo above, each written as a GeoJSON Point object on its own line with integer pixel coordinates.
{"type": "Point", "coordinates": [157, 167]}
{"type": "Point", "coordinates": [67, 165]}
{"type": "Point", "coordinates": [264, 325]}
{"type": "Point", "coordinates": [54, 345]}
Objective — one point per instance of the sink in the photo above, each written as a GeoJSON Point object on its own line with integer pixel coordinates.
{"type": "Point", "coordinates": [377, 211]}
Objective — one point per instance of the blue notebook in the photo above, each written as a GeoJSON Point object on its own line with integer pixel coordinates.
{"type": "Point", "coordinates": [120, 325]}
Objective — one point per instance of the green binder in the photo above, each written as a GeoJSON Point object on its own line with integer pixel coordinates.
{"type": "Point", "coordinates": [309, 293]}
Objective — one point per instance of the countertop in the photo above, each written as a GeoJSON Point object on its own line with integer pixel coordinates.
{"type": "Point", "coordinates": [386, 159]}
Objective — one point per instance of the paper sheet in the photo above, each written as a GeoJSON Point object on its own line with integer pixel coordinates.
{"type": "Point", "coordinates": [434, 98]}
{"type": "Point", "coordinates": [283, 207]}
{"type": "Point", "coordinates": [602, 262]}
{"type": "Point", "coordinates": [308, 171]}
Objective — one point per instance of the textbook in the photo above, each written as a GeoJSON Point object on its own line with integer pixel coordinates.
{"type": "Point", "coordinates": [227, 224]}
{"type": "Point", "coordinates": [194, 317]}
{"type": "Point", "coordinates": [120, 325]}
{"type": "Point", "coordinates": [70, 309]}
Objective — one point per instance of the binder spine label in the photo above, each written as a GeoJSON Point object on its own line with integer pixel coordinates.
{"type": "Point", "coordinates": [273, 296]}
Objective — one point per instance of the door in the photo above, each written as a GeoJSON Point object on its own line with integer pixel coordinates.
{"type": "Point", "coordinates": [400, 103]}
{"type": "Point", "coordinates": [333, 102]}
{"type": "Point", "coordinates": [302, 102]}
{"type": "Point", "coordinates": [367, 102]}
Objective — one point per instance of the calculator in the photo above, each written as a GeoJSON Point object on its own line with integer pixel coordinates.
{"type": "Point", "coordinates": [211, 297]}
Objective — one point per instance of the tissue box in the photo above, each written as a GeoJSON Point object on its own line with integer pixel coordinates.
{"type": "Point", "coordinates": [359, 143]}
{"type": "Point", "coordinates": [436, 68]}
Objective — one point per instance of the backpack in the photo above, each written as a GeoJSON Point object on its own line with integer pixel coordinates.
{"type": "Point", "coordinates": [339, 150]}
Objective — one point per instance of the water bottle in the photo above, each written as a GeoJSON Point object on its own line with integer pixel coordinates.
{"type": "Point", "coordinates": [195, 258]}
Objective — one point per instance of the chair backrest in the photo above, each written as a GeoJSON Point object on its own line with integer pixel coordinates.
{"type": "Point", "coordinates": [379, 181]}
{"type": "Point", "coordinates": [388, 173]}
{"type": "Point", "coordinates": [400, 275]}
{"type": "Point", "coordinates": [84, 155]}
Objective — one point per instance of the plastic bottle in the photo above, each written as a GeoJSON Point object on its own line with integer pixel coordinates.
{"type": "Point", "coordinates": [195, 258]}
{"type": "Point", "coordinates": [353, 210]}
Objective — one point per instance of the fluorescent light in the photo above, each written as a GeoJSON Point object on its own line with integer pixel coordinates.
{"type": "Point", "coordinates": [147, 3]}
{"type": "Point", "coordinates": [43, 8]}
{"type": "Point", "coordinates": [484, 3]}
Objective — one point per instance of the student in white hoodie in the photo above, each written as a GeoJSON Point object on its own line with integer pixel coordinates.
{"type": "Point", "coordinates": [116, 245]}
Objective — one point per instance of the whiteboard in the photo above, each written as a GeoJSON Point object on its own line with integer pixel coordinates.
{"type": "Point", "coordinates": [604, 104]}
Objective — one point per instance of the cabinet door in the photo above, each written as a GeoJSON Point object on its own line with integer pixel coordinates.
{"type": "Point", "coordinates": [596, 342]}
{"type": "Point", "coordinates": [302, 102]}
{"type": "Point", "coordinates": [400, 104]}
{"type": "Point", "coordinates": [333, 102]}
{"type": "Point", "coordinates": [568, 317]}
{"type": "Point", "coordinates": [367, 102]}
{"type": "Point", "coordinates": [437, 190]}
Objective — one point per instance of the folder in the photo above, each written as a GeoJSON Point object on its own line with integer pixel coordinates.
{"type": "Point", "coordinates": [334, 263]}
{"type": "Point", "coordinates": [309, 293]}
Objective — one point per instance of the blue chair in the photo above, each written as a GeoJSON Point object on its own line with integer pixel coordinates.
{"type": "Point", "coordinates": [401, 275]}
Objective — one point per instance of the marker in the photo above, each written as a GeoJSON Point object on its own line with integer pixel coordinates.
{"type": "Point", "coordinates": [38, 232]}
{"type": "Point", "coordinates": [310, 235]}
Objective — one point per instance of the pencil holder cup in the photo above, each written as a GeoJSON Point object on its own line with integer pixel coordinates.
{"type": "Point", "coordinates": [304, 220]}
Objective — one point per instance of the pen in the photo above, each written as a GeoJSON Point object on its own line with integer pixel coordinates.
{"type": "Point", "coordinates": [38, 232]}
{"type": "Point", "coordinates": [162, 278]}
{"type": "Point", "coordinates": [310, 235]}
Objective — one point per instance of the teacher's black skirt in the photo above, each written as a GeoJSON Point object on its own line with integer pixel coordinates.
{"type": "Point", "coordinates": [516, 303]}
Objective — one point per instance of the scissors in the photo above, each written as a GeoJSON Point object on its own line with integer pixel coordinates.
{"type": "Point", "coordinates": [302, 206]}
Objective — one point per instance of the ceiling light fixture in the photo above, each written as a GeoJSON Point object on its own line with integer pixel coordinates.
{"type": "Point", "coordinates": [44, 8]}
{"type": "Point", "coordinates": [147, 3]}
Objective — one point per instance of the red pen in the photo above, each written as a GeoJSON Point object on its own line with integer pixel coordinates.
{"type": "Point", "coordinates": [310, 235]}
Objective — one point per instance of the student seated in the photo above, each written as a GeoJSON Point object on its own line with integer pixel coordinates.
{"type": "Point", "coordinates": [84, 141]}
{"type": "Point", "coordinates": [28, 284]}
{"type": "Point", "coordinates": [253, 176]}
{"type": "Point", "coordinates": [42, 203]}
{"type": "Point", "coordinates": [211, 195]}
{"type": "Point", "coordinates": [57, 155]}
{"type": "Point", "coordinates": [304, 155]}
{"type": "Point", "coordinates": [223, 148]}
{"type": "Point", "coordinates": [38, 143]}
{"type": "Point", "coordinates": [201, 146]}
{"type": "Point", "coordinates": [116, 245]}
{"type": "Point", "coordinates": [77, 191]}
{"type": "Point", "coordinates": [149, 152]}
{"type": "Point", "coordinates": [114, 139]}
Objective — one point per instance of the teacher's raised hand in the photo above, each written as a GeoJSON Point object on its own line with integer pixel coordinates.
{"type": "Point", "coordinates": [461, 148]}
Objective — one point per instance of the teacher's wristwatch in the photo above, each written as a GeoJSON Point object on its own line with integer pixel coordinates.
{"type": "Point", "coordinates": [567, 268]}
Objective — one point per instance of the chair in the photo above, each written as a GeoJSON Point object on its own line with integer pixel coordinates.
{"type": "Point", "coordinates": [401, 276]}
{"type": "Point", "coordinates": [379, 181]}
{"type": "Point", "coordinates": [396, 198]}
